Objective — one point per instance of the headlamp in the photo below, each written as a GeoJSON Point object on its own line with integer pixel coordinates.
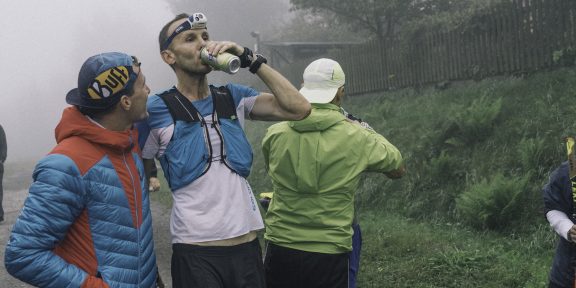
{"type": "Point", "coordinates": [195, 21]}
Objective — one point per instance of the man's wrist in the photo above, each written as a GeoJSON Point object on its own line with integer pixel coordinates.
{"type": "Point", "coordinates": [257, 62]}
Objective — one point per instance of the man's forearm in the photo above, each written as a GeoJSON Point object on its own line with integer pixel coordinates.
{"type": "Point", "coordinates": [148, 166]}
{"type": "Point", "coordinates": [287, 96]}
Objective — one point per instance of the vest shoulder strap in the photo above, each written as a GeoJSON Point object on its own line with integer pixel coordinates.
{"type": "Point", "coordinates": [223, 102]}
{"type": "Point", "coordinates": [180, 107]}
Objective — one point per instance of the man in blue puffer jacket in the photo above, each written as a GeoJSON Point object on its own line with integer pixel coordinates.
{"type": "Point", "coordinates": [87, 219]}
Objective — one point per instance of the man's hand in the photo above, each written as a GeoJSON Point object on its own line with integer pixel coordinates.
{"type": "Point", "coordinates": [572, 234]}
{"type": "Point", "coordinates": [217, 47]}
{"type": "Point", "coordinates": [154, 184]}
{"type": "Point", "coordinates": [398, 173]}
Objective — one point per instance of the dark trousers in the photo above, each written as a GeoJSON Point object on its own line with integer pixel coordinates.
{"type": "Point", "coordinates": [291, 268]}
{"type": "Point", "coordinates": [237, 266]}
{"type": "Point", "coordinates": [1, 191]}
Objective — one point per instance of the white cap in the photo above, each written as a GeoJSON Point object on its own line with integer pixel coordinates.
{"type": "Point", "coordinates": [322, 78]}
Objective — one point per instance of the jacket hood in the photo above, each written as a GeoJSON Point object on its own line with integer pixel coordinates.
{"type": "Point", "coordinates": [75, 124]}
{"type": "Point", "coordinates": [322, 117]}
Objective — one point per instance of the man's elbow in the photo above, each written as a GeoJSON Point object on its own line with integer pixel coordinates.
{"type": "Point", "coordinates": [15, 261]}
{"type": "Point", "coordinates": [302, 111]}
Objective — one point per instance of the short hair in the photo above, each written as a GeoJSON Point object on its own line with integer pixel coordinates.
{"type": "Point", "coordinates": [163, 36]}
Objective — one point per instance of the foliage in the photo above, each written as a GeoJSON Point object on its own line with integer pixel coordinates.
{"type": "Point", "coordinates": [531, 153]}
{"type": "Point", "coordinates": [319, 27]}
{"type": "Point", "coordinates": [365, 14]}
{"type": "Point", "coordinates": [493, 203]}
{"type": "Point", "coordinates": [565, 57]}
{"type": "Point", "coordinates": [386, 19]}
{"type": "Point", "coordinates": [476, 121]}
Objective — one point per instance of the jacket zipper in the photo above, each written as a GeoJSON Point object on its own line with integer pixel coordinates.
{"type": "Point", "coordinates": [136, 210]}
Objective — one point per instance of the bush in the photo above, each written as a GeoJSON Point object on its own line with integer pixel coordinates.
{"type": "Point", "coordinates": [476, 121]}
{"type": "Point", "coordinates": [492, 204]}
{"type": "Point", "coordinates": [531, 153]}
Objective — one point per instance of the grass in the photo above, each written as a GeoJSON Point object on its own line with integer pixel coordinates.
{"type": "Point", "coordinates": [400, 252]}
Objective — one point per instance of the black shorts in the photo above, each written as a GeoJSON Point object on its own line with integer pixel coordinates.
{"type": "Point", "coordinates": [217, 267]}
{"type": "Point", "coordinates": [291, 268]}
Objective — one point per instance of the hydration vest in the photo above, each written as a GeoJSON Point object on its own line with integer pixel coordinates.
{"type": "Point", "coordinates": [189, 153]}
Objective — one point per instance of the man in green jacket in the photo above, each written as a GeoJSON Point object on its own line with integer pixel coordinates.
{"type": "Point", "coordinates": [315, 166]}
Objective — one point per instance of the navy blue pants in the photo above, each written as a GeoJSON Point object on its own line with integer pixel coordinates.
{"type": "Point", "coordinates": [355, 256]}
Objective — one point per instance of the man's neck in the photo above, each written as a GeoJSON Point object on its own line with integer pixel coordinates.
{"type": "Point", "coordinates": [111, 123]}
{"type": "Point", "coordinates": [193, 87]}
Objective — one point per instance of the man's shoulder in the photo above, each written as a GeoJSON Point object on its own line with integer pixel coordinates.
{"type": "Point", "coordinates": [561, 173]}
{"type": "Point", "coordinates": [82, 153]}
{"type": "Point", "coordinates": [155, 100]}
{"type": "Point", "coordinates": [238, 91]}
{"type": "Point", "coordinates": [158, 113]}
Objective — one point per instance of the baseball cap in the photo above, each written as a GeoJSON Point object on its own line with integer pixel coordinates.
{"type": "Point", "coordinates": [102, 80]}
{"type": "Point", "coordinates": [194, 21]}
{"type": "Point", "coordinates": [322, 78]}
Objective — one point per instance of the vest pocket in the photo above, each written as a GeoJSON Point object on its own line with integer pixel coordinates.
{"type": "Point", "coordinates": [238, 150]}
{"type": "Point", "coordinates": [186, 156]}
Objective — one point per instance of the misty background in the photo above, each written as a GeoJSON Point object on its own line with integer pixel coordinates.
{"type": "Point", "coordinates": [44, 43]}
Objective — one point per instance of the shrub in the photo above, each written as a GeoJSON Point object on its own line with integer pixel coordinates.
{"type": "Point", "coordinates": [494, 203]}
{"type": "Point", "coordinates": [531, 154]}
{"type": "Point", "coordinates": [476, 121]}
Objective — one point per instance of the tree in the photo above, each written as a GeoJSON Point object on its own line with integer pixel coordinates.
{"type": "Point", "coordinates": [384, 19]}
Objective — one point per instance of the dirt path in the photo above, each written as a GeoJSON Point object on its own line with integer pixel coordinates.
{"type": "Point", "coordinates": [13, 201]}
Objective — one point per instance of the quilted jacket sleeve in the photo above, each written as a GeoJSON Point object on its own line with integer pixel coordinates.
{"type": "Point", "coordinates": [55, 200]}
{"type": "Point", "coordinates": [557, 194]}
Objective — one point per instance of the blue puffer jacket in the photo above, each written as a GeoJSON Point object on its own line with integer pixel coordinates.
{"type": "Point", "coordinates": [87, 219]}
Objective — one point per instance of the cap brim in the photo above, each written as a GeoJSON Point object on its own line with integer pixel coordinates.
{"type": "Point", "coordinates": [73, 97]}
{"type": "Point", "coordinates": [325, 95]}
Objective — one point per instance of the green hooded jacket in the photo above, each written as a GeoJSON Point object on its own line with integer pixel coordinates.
{"type": "Point", "coordinates": [315, 166]}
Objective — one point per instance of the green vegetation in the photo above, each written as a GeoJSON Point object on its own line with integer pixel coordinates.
{"type": "Point", "coordinates": [469, 212]}
{"type": "Point", "coordinates": [400, 252]}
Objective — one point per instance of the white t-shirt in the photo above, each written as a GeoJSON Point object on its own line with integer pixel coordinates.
{"type": "Point", "coordinates": [218, 205]}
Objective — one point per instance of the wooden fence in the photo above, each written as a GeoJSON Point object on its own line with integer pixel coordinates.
{"type": "Point", "coordinates": [517, 36]}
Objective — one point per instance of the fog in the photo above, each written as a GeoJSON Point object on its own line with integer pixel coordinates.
{"type": "Point", "coordinates": [44, 43]}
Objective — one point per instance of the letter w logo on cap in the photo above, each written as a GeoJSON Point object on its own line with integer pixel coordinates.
{"type": "Point", "coordinates": [109, 82]}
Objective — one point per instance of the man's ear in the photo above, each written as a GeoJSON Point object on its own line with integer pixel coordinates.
{"type": "Point", "coordinates": [168, 57]}
{"type": "Point", "coordinates": [339, 96]}
{"type": "Point", "coordinates": [125, 102]}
